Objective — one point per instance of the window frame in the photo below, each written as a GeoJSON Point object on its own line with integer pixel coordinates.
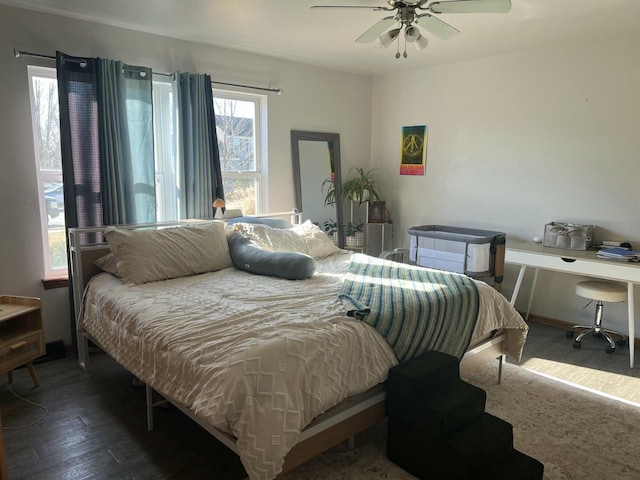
{"type": "Point", "coordinates": [50, 273]}
{"type": "Point", "coordinates": [164, 152]}
{"type": "Point", "coordinates": [258, 175]}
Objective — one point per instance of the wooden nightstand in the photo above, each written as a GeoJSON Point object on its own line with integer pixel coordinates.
{"type": "Point", "coordinates": [21, 334]}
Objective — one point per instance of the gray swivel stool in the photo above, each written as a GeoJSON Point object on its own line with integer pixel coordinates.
{"type": "Point", "coordinates": [600, 292]}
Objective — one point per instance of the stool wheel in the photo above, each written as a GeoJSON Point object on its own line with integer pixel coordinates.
{"type": "Point", "coordinates": [576, 344]}
{"type": "Point", "coordinates": [568, 334]}
{"type": "Point", "coordinates": [610, 350]}
{"type": "Point", "coordinates": [621, 343]}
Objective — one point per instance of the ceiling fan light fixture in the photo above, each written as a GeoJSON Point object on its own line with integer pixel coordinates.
{"type": "Point", "coordinates": [412, 34]}
{"type": "Point", "coordinates": [421, 42]}
{"type": "Point", "coordinates": [387, 38]}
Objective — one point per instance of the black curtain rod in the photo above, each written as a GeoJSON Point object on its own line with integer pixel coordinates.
{"type": "Point", "coordinates": [22, 53]}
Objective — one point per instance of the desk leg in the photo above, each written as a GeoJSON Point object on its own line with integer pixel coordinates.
{"type": "Point", "coordinates": [533, 289]}
{"type": "Point", "coordinates": [516, 289]}
{"type": "Point", "coordinates": [632, 323]}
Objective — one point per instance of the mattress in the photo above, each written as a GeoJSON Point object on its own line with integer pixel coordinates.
{"type": "Point", "coordinates": [255, 356]}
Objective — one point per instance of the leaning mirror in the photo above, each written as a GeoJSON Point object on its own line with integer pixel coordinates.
{"type": "Point", "coordinates": [316, 177]}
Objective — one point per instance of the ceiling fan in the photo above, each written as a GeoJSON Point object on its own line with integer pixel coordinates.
{"type": "Point", "coordinates": [408, 14]}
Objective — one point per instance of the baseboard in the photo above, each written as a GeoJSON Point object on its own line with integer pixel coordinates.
{"type": "Point", "coordinates": [553, 322]}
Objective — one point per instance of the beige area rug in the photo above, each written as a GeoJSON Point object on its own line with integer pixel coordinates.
{"type": "Point", "coordinates": [577, 434]}
{"type": "Point", "coordinates": [625, 387]}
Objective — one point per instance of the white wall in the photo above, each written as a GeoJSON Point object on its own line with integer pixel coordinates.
{"type": "Point", "coordinates": [517, 141]}
{"type": "Point", "coordinates": [314, 99]}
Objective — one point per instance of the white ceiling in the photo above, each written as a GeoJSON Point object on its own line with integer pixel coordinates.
{"type": "Point", "coordinates": [289, 29]}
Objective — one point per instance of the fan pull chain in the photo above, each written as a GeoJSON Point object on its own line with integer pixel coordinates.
{"type": "Point", "coordinates": [398, 49]}
{"type": "Point", "coordinates": [405, 44]}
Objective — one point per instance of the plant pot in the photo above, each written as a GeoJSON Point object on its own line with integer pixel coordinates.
{"type": "Point", "coordinates": [334, 237]}
{"type": "Point", "coordinates": [356, 240]}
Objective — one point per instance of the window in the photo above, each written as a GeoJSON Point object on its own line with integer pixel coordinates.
{"type": "Point", "coordinates": [43, 91]}
{"type": "Point", "coordinates": [164, 150]}
{"type": "Point", "coordinates": [240, 131]}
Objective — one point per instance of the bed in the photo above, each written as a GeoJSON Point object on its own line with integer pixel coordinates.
{"type": "Point", "coordinates": [271, 367]}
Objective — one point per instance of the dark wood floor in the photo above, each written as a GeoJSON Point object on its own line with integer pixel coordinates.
{"type": "Point", "coordinates": [96, 425]}
{"type": "Point", "coordinates": [96, 428]}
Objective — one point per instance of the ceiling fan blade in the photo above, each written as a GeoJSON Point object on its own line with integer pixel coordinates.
{"type": "Point", "coordinates": [377, 30]}
{"type": "Point", "coordinates": [440, 29]}
{"type": "Point", "coordinates": [366, 7]}
{"type": "Point", "coordinates": [471, 6]}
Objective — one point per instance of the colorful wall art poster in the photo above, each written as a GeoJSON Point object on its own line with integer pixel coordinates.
{"type": "Point", "coordinates": [413, 150]}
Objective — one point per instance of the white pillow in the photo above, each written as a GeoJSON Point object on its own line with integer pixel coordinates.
{"type": "Point", "coordinates": [306, 238]}
{"type": "Point", "coordinates": [272, 239]}
{"type": "Point", "coordinates": [108, 263]}
{"type": "Point", "coordinates": [149, 255]}
{"type": "Point", "coordinates": [318, 243]}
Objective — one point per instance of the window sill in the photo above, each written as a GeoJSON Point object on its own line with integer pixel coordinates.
{"type": "Point", "coordinates": [56, 282]}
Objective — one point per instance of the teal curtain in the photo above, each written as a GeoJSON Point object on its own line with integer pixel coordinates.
{"type": "Point", "coordinates": [200, 177]}
{"type": "Point", "coordinates": [79, 143]}
{"type": "Point", "coordinates": [106, 140]}
{"type": "Point", "coordinates": [125, 112]}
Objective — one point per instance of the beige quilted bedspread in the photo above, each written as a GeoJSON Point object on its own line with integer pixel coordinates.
{"type": "Point", "coordinates": [258, 357]}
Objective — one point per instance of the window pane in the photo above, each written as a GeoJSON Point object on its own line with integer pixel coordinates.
{"type": "Point", "coordinates": [54, 205]}
{"type": "Point", "coordinates": [58, 248]}
{"type": "Point", "coordinates": [47, 123]}
{"type": "Point", "coordinates": [167, 207]}
{"type": "Point", "coordinates": [235, 128]}
{"type": "Point", "coordinates": [46, 132]}
{"type": "Point", "coordinates": [239, 131]}
{"type": "Point", "coordinates": [240, 193]}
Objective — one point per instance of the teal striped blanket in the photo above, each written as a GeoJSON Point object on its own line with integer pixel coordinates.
{"type": "Point", "coordinates": [415, 309]}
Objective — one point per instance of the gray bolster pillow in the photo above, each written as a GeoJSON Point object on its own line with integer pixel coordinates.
{"type": "Point", "coordinates": [290, 265]}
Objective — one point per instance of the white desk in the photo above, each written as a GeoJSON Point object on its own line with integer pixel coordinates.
{"type": "Point", "coordinates": [578, 262]}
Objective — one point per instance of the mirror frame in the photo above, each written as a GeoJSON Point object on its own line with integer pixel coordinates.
{"type": "Point", "coordinates": [301, 135]}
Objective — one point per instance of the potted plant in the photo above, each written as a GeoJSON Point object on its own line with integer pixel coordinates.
{"type": "Point", "coordinates": [331, 229]}
{"type": "Point", "coordinates": [330, 196]}
{"type": "Point", "coordinates": [354, 234]}
{"type": "Point", "coordinates": [362, 188]}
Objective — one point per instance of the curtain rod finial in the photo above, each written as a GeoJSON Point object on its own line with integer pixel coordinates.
{"type": "Point", "coordinates": [279, 91]}
{"type": "Point", "coordinates": [17, 53]}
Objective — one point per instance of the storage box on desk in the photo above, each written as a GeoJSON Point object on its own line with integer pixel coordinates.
{"type": "Point", "coordinates": [571, 236]}
{"type": "Point", "coordinates": [477, 253]}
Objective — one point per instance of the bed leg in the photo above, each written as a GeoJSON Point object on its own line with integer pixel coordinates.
{"type": "Point", "coordinates": [501, 359]}
{"type": "Point", "coordinates": [149, 395]}
{"type": "Point", "coordinates": [351, 442]}
{"type": "Point", "coordinates": [83, 350]}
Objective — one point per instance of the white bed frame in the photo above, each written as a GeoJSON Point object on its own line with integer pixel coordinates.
{"type": "Point", "coordinates": [340, 423]}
